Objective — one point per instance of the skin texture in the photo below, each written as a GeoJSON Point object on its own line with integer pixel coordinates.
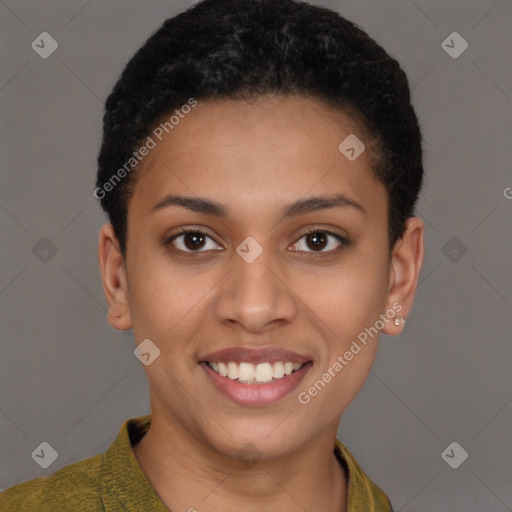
{"type": "Point", "coordinates": [255, 158]}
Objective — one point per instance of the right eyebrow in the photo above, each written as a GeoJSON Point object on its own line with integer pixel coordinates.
{"type": "Point", "coordinates": [196, 204]}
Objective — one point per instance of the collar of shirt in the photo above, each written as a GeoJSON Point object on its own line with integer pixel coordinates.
{"type": "Point", "coordinates": [124, 486]}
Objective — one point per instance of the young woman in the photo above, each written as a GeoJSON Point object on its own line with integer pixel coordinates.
{"type": "Point", "coordinates": [260, 165]}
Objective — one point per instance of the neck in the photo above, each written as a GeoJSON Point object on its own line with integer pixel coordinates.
{"type": "Point", "coordinates": [190, 476]}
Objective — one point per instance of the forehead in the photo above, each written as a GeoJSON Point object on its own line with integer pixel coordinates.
{"type": "Point", "coordinates": [258, 152]}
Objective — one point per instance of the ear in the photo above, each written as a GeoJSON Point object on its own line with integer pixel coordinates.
{"type": "Point", "coordinates": [406, 261]}
{"type": "Point", "coordinates": [113, 276]}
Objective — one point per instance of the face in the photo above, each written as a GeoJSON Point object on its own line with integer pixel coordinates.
{"type": "Point", "coordinates": [267, 276]}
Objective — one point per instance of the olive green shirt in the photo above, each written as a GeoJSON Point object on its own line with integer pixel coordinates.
{"type": "Point", "coordinates": [113, 481]}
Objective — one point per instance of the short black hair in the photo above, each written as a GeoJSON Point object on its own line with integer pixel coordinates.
{"type": "Point", "coordinates": [243, 49]}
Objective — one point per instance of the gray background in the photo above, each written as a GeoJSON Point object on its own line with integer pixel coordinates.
{"type": "Point", "coordinates": [69, 379]}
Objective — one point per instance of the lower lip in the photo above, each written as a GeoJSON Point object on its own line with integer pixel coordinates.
{"type": "Point", "coordinates": [256, 394]}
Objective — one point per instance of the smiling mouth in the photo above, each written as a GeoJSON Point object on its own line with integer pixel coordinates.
{"type": "Point", "coordinates": [260, 373]}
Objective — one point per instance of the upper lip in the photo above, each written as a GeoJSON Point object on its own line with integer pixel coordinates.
{"type": "Point", "coordinates": [254, 355]}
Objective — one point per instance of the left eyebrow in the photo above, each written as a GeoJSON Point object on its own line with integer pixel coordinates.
{"type": "Point", "coordinates": [312, 204]}
{"type": "Point", "coordinates": [300, 207]}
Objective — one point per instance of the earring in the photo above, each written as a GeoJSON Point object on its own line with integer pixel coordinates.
{"type": "Point", "coordinates": [399, 321]}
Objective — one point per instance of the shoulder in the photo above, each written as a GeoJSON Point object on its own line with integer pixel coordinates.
{"type": "Point", "coordinates": [73, 487]}
{"type": "Point", "coordinates": [363, 494]}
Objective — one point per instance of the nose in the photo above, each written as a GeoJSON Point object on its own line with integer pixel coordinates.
{"type": "Point", "coordinates": [256, 296]}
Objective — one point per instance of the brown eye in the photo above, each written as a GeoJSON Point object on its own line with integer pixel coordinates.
{"type": "Point", "coordinates": [318, 240]}
{"type": "Point", "coordinates": [193, 241]}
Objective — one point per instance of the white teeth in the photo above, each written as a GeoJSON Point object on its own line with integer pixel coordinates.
{"type": "Point", "coordinates": [246, 371]}
{"type": "Point", "coordinates": [278, 370]}
{"type": "Point", "coordinates": [264, 372]}
{"type": "Point", "coordinates": [232, 370]}
{"type": "Point", "coordinates": [260, 373]}
{"type": "Point", "coordinates": [223, 370]}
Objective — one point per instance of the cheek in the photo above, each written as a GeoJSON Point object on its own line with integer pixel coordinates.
{"type": "Point", "coordinates": [350, 296]}
{"type": "Point", "coordinates": [162, 297]}
{"type": "Point", "coordinates": [352, 304]}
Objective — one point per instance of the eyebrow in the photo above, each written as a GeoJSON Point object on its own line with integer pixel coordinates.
{"type": "Point", "coordinates": [300, 207]}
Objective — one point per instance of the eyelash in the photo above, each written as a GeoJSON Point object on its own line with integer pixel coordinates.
{"type": "Point", "coordinates": [315, 254]}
